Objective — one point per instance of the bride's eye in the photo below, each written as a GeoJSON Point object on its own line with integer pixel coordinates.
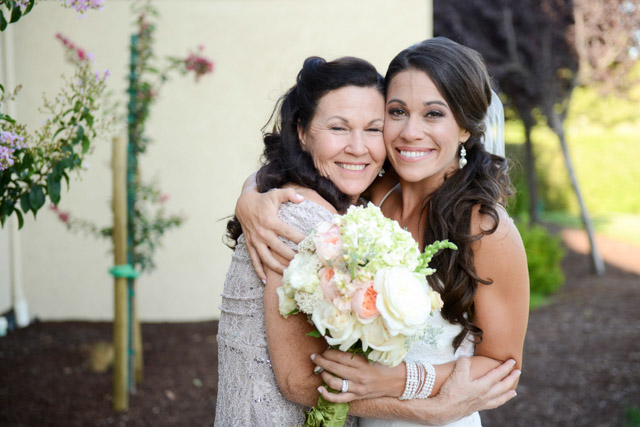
{"type": "Point", "coordinates": [434, 114]}
{"type": "Point", "coordinates": [397, 112]}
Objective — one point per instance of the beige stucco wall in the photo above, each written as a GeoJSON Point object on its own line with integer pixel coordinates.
{"type": "Point", "coordinates": [207, 135]}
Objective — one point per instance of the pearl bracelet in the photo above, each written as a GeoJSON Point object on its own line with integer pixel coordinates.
{"type": "Point", "coordinates": [421, 378]}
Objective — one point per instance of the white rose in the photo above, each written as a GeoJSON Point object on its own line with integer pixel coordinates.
{"type": "Point", "coordinates": [286, 303]}
{"type": "Point", "coordinates": [389, 358]}
{"type": "Point", "coordinates": [388, 350]}
{"type": "Point", "coordinates": [342, 326]}
{"type": "Point", "coordinates": [403, 300]}
{"type": "Point", "coordinates": [302, 273]}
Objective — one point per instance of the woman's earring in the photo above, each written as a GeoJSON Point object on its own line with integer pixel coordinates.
{"type": "Point", "coordinates": [381, 173]}
{"type": "Point", "coordinates": [463, 156]}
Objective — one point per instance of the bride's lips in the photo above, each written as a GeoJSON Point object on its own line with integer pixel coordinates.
{"type": "Point", "coordinates": [352, 167]}
{"type": "Point", "coordinates": [413, 154]}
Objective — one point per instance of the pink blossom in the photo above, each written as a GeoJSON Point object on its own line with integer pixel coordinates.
{"type": "Point", "coordinates": [199, 64]}
{"type": "Point", "coordinates": [80, 53]}
{"type": "Point", "coordinates": [327, 240]}
{"type": "Point", "coordinates": [164, 198]}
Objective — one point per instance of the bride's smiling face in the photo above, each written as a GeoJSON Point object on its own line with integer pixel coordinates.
{"type": "Point", "coordinates": [344, 137]}
{"type": "Point", "coordinates": [421, 134]}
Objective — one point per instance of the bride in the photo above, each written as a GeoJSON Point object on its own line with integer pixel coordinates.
{"type": "Point", "coordinates": [444, 185]}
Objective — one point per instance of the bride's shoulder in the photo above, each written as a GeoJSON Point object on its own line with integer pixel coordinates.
{"type": "Point", "coordinates": [505, 228]}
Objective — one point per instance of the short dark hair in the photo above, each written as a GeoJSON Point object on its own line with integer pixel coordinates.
{"type": "Point", "coordinates": [284, 160]}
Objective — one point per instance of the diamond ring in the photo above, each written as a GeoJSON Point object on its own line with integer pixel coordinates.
{"type": "Point", "coordinates": [345, 386]}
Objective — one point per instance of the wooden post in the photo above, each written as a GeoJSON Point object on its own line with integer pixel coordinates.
{"type": "Point", "coordinates": [119, 166]}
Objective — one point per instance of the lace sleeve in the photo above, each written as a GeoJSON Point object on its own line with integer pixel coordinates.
{"type": "Point", "coordinates": [303, 217]}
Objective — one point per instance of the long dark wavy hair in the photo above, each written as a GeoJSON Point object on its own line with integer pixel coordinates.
{"type": "Point", "coordinates": [462, 79]}
{"type": "Point", "coordinates": [284, 160]}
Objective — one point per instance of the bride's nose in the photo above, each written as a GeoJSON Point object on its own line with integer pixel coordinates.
{"type": "Point", "coordinates": [412, 130]}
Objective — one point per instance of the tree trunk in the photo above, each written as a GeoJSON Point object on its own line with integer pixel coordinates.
{"type": "Point", "coordinates": [557, 126]}
{"type": "Point", "coordinates": [529, 166]}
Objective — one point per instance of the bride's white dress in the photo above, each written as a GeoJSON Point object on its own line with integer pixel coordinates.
{"type": "Point", "coordinates": [443, 352]}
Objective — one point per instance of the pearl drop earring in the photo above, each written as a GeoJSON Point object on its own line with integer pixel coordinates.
{"type": "Point", "coordinates": [463, 156]}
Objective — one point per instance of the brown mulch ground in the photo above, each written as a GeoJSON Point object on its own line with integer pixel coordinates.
{"type": "Point", "coordinates": [582, 363]}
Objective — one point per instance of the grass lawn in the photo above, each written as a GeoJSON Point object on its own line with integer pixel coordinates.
{"type": "Point", "coordinates": [624, 227]}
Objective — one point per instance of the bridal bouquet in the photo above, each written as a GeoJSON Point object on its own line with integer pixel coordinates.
{"type": "Point", "coordinates": [362, 281]}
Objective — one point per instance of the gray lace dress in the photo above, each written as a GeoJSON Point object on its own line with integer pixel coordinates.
{"type": "Point", "coordinates": [248, 394]}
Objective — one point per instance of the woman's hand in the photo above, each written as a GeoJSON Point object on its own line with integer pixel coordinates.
{"type": "Point", "coordinates": [258, 214]}
{"type": "Point", "coordinates": [466, 395]}
{"type": "Point", "coordinates": [365, 380]}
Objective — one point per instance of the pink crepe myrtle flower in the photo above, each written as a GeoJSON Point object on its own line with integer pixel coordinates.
{"type": "Point", "coordinates": [62, 215]}
{"type": "Point", "coordinates": [199, 63]}
{"type": "Point", "coordinates": [80, 53]}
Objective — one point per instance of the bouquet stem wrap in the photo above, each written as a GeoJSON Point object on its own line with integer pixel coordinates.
{"type": "Point", "coordinates": [327, 414]}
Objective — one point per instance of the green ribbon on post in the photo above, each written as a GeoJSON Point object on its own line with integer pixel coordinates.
{"type": "Point", "coordinates": [124, 270]}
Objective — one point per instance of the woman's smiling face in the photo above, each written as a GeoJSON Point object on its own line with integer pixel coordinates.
{"type": "Point", "coordinates": [420, 132]}
{"type": "Point", "coordinates": [345, 137]}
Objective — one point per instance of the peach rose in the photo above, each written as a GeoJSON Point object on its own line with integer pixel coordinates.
{"type": "Point", "coordinates": [363, 303]}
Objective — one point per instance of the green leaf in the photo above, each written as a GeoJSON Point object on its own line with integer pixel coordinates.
{"type": "Point", "coordinates": [27, 160]}
{"type": "Point", "coordinates": [16, 13]}
{"type": "Point", "coordinates": [24, 202]}
{"type": "Point", "coordinates": [36, 198]}
{"type": "Point", "coordinates": [57, 132]}
{"type": "Point", "coordinates": [20, 219]}
{"type": "Point", "coordinates": [315, 333]}
{"type": "Point", "coordinates": [66, 178]}
{"type": "Point", "coordinates": [86, 115]}
{"type": "Point", "coordinates": [79, 135]}
{"type": "Point", "coordinates": [3, 22]}
{"type": "Point", "coordinates": [58, 169]}
{"type": "Point", "coordinates": [85, 144]}
{"type": "Point", "coordinates": [53, 188]}
{"type": "Point", "coordinates": [31, 4]}
{"type": "Point", "coordinates": [7, 119]}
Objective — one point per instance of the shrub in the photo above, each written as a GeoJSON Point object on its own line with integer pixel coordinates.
{"type": "Point", "coordinates": [544, 259]}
